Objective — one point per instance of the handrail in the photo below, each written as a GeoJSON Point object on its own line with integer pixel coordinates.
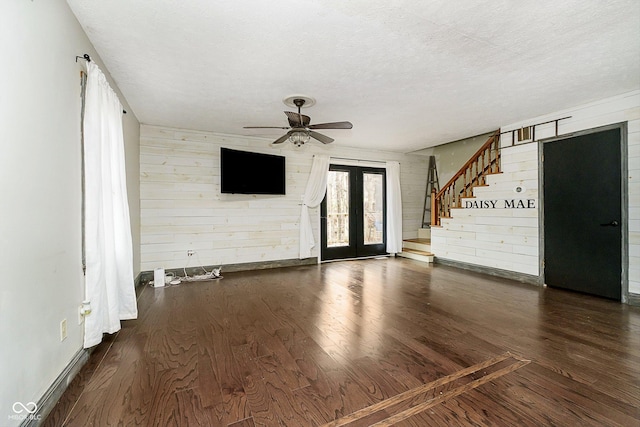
{"type": "Point", "coordinates": [472, 174]}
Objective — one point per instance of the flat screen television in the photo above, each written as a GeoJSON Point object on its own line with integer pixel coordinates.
{"type": "Point", "coordinates": [244, 172]}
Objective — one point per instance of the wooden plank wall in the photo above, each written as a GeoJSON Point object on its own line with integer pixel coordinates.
{"type": "Point", "coordinates": [519, 251]}
{"type": "Point", "coordinates": [501, 238]}
{"type": "Point", "coordinates": [182, 208]}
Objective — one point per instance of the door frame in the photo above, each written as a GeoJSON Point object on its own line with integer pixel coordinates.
{"type": "Point", "coordinates": [362, 167]}
{"type": "Point", "coordinates": [624, 200]}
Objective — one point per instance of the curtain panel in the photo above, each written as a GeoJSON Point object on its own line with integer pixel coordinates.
{"type": "Point", "coordinates": [394, 208]}
{"type": "Point", "coordinates": [109, 282]}
{"type": "Point", "coordinates": [313, 195]}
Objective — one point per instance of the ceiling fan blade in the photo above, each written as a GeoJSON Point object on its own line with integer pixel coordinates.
{"type": "Point", "coordinates": [320, 137]}
{"type": "Point", "coordinates": [297, 119]}
{"type": "Point", "coordinates": [335, 125]}
{"type": "Point", "coordinates": [282, 139]}
{"type": "Point", "coordinates": [266, 127]}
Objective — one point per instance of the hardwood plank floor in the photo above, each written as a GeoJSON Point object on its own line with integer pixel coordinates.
{"type": "Point", "coordinates": [356, 343]}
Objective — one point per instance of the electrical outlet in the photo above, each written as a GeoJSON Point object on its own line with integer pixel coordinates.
{"type": "Point", "coordinates": [63, 329]}
{"type": "Point", "coordinates": [190, 252]}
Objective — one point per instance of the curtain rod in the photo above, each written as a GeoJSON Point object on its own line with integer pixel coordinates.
{"type": "Point", "coordinates": [357, 160]}
{"type": "Point", "coordinates": [87, 58]}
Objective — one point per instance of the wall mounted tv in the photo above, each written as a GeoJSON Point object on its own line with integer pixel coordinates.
{"type": "Point", "coordinates": [244, 172]}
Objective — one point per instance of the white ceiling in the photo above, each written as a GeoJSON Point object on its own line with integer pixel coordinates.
{"type": "Point", "coordinates": [408, 74]}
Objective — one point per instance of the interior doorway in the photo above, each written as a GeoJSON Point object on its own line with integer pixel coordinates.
{"type": "Point", "coordinates": [353, 213]}
{"type": "Point", "coordinates": [584, 213]}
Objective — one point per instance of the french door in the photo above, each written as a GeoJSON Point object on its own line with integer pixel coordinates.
{"type": "Point", "coordinates": [353, 214]}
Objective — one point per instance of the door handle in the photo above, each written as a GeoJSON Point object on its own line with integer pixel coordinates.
{"type": "Point", "coordinates": [613, 223]}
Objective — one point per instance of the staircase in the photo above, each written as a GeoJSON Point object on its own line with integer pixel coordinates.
{"type": "Point", "coordinates": [418, 249]}
{"type": "Point", "coordinates": [486, 161]}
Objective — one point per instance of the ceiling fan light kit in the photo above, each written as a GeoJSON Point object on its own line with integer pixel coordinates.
{"type": "Point", "coordinates": [301, 131]}
{"type": "Point", "coordinates": [299, 137]}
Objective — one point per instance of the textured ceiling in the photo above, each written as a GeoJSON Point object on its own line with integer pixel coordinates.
{"type": "Point", "coordinates": [407, 74]}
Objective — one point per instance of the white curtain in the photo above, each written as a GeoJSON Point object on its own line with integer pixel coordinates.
{"type": "Point", "coordinates": [313, 195]}
{"type": "Point", "coordinates": [394, 208]}
{"type": "Point", "coordinates": [109, 282]}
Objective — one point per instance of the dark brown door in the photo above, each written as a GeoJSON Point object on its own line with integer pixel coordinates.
{"type": "Point", "coordinates": [582, 213]}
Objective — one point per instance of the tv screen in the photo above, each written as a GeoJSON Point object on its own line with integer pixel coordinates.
{"type": "Point", "coordinates": [244, 172]}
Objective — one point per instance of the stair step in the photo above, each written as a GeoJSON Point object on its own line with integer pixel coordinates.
{"type": "Point", "coordinates": [419, 244]}
{"type": "Point", "coordinates": [416, 255]}
{"type": "Point", "coordinates": [419, 240]}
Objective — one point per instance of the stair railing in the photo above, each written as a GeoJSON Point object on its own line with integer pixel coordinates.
{"type": "Point", "coordinates": [484, 162]}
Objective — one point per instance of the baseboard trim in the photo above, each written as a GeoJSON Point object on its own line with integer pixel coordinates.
{"type": "Point", "coordinates": [147, 276]}
{"type": "Point", "coordinates": [50, 398]}
{"type": "Point", "coordinates": [506, 274]}
{"type": "Point", "coordinates": [137, 282]}
{"type": "Point", "coordinates": [634, 299]}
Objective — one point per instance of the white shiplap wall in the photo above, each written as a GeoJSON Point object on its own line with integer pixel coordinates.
{"type": "Point", "coordinates": [508, 239]}
{"type": "Point", "coordinates": [182, 208]}
{"type": "Point", "coordinates": [499, 238]}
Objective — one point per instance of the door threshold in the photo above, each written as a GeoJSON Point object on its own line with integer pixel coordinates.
{"type": "Point", "coordinates": [357, 258]}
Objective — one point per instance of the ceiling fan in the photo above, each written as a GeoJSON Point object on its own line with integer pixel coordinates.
{"type": "Point", "coordinates": [300, 128]}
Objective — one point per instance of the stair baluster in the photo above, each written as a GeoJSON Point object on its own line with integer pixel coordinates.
{"type": "Point", "coordinates": [471, 175]}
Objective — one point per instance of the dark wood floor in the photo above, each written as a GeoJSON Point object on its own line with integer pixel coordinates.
{"type": "Point", "coordinates": [372, 342]}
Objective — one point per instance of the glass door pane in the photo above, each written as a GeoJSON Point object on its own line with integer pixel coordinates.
{"type": "Point", "coordinates": [352, 214]}
{"type": "Point", "coordinates": [338, 198]}
{"type": "Point", "coordinates": [372, 205]}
